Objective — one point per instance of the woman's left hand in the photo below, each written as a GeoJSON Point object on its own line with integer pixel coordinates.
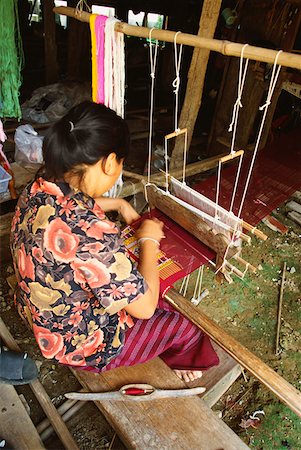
{"type": "Point", "coordinates": [121, 206]}
{"type": "Point", "coordinates": [127, 212]}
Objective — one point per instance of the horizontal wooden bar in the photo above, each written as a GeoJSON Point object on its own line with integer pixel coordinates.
{"type": "Point", "coordinates": [254, 231]}
{"type": "Point", "coordinates": [231, 156]}
{"type": "Point", "coordinates": [224, 47]}
{"type": "Point", "coordinates": [287, 393]}
{"type": "Point", "coordinates": [176, 133]}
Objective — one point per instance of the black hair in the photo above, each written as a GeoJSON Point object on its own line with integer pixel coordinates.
{"type": "Point", "coordinates": [88, 133]}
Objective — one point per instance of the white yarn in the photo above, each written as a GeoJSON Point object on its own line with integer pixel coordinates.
{"type": "Point", "coordinates": [114, 68]}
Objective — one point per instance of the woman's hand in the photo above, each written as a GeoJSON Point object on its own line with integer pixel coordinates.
{"type": "Point", "coordinates": [127, 212]}
{"type": "Point", "coordinates": [121, 206]}
{"type": "Point", "coordinates": [151, 228]}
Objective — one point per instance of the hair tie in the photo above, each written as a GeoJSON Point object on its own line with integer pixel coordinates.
{"type": "Point", "coordinates": [71, 126]}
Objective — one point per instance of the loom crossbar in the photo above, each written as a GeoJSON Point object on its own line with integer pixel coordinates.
{"type": "Point", "coordinates": [224, 47]}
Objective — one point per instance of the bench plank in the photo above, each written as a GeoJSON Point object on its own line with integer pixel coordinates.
{"type": "Point", "coordinates": [166, 424]}
{"type": "Point", "coordinates": [16, 426]}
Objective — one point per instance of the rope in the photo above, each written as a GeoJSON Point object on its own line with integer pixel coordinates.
{"type": "Point", "coordinates": [153, 64]}
{"type": "Point", "coordinates": [236, 108]}
{"type": "Point", "coordinates": [176, 82]}
{"type": "Point", "coordinates": [264, 107]}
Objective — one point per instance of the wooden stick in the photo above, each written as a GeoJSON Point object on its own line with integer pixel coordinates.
{"type": "Point", "coordinates": [231, 156]}
{"type": "Point", "coordinates": [287, 393]}
{"type": "Point", "coordinates": [280, 308]}
{"type": "Point", "coordinates": [234, 270]}
{"type": "Point", "coordinates": [245, 263]}
{"type": "Point", "coordinates": [65, 416]}
{"type": "Point", "coordinates": [176, 133]}
{"type": "Point", "coordinates": [254, 231]}
{"type": "Point", "coordinates": [224, 47]}
{"type": "Point", "coordinates": [42, 396]}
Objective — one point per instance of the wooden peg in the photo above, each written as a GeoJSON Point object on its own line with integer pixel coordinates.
{"type": "Point", "coordinates": [254, 231]}
{"type": "Point", "coordinates": [245, 263]}
{"type": "Point", "coordinates": [231, 156]}
{"type": "Point", "coordinates": [176, 133]}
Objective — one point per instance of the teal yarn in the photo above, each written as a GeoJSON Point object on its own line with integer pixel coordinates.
{"type": "Point", "coordinates": [11, 59]}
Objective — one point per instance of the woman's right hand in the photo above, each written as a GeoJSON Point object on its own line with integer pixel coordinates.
{"type": "Point", "coordinates": [151, 228]}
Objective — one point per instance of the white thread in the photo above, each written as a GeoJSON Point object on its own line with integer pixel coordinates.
{"type": "Point", "coordinates": [273, 81]}
{"type": "Point", "coordinates": [71, 126]}
{"type": "Point", "coordinates": [141, 240]}
{"type": "Point", "coordinates": [185, 156]}
{"type": "Point", "coordinates": [176, 82]}
{"type": "Point", "coordinates": [114, 68]}
{"type": "Point", "coordinates": [237, 105]}
{"type": "Point", "coordinates": [80, 6]}
{"type": "Point", "coordinates": [153, 63]}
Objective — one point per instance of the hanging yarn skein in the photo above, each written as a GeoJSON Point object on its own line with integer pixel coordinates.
{"type": "Point", "coordinates": [108, 63]}
{"type": "Point", "coordinates": [11, 59]}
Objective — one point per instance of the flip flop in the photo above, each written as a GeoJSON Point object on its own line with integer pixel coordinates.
{"type": "Point", "coordinates": [16, 368]}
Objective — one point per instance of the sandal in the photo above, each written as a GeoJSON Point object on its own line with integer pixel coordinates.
{"type": "Point", "coordinates": [16, 368]}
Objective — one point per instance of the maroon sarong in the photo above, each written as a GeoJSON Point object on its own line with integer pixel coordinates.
{"type": "Point", "coordinates": [169, 335]}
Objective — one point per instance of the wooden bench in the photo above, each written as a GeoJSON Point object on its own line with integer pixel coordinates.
{"type": "Point", "coordinates": [172, 423]}
{"type": "Point", "coordinates": [16, 426]}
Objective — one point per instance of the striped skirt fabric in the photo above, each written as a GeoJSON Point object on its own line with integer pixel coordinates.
{"type": "Point", "coordinates": [169, 335]}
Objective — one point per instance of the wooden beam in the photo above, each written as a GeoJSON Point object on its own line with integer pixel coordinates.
{"type": "Point", "coordinates": [196, 77]}
{"type": "Point", "coordinates": [287, 393]}
{"type": "Point", "coordinates": [16, 426]}
{"type": "Point", "coordinates": [224, 47]}
{"type": "Point", "coordinates": [51, 67]}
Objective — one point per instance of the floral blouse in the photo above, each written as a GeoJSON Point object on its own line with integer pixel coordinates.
{"type": "Point", "coordinates": [74, 275]}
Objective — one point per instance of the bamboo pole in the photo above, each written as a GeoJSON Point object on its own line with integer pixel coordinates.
{"type": "Point", "coordinates": [287, 393]}
{"type": "Point", "coordinates": [227, 48]}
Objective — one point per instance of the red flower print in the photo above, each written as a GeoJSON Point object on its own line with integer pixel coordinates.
{"type": "Point", "coordinates": [25, 264]}
{"type": "Point", "coordinates": [83, 224]}
{"type": "Point", "coordinates": [69, 336]}
{"type": "Point", "coordinates": [92, 343]}
{"type": "Point", "coordinates": [79, 307]}
{"type": "Point", "coordinates": [60, 240]}
{"type": "Point", "coordinates": [67, 206]}
{"type": "Point", "coordinates": [93, 248]}
{"type": "Point", "coordinates": [129, 289]}
{"type": "Point", "coordinates": [91, 271]}
{"type": "Point", "coordinates": [41, 185]}
{"type": "Point", "coordinates": [75, 319]}
{"type": "Point", "coordinates": [100, 227]}
{"type": "Point", "coordinates": [38, 255]}
{"type": "Point", "coordinates": [75, 358]}
{"type": "Point", "coordinates": [98, 211]}
{"type": "Point", "coordinates": [35, 315]}
{"type": "Point", "coordinates": [49, 343]}
{"type": "Point", "coordinates": [24, 287]}
{"type": "Point", "coordinates": [125, 319]}
{"type": "Point", "coordinates": [114, 291]}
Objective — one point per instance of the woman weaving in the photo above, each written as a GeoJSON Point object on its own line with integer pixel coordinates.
{"type": "Point", "coordinates": [88, 304]}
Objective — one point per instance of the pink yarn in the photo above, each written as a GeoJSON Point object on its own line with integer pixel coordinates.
{"type": "Point", "coordinates": [100, 22]}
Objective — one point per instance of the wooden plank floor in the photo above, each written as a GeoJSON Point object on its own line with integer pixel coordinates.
{"type": "Point", "coordinates": [16, 426]}
{"type": "Point", "coordinates": [169, 424]}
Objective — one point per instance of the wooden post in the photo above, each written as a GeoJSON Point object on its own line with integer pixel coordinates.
{"type": "Point", "coordinates": [51, 67]}
{"type": "Point", "coordinates": [196, 77]}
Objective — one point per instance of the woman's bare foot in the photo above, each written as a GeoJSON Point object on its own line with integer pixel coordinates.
{"type": "Point", "coordinates": [188, 375]}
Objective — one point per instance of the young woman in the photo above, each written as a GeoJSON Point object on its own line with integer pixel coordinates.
{"type": "Point", "coordinates": [88, 304]}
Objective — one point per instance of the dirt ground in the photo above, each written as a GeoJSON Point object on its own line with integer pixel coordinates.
{"type": "Point", "coordinates": [247, 309]}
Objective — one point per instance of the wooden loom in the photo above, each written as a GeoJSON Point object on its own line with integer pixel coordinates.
{"type": "Point", "coordinates": [282, 389]}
